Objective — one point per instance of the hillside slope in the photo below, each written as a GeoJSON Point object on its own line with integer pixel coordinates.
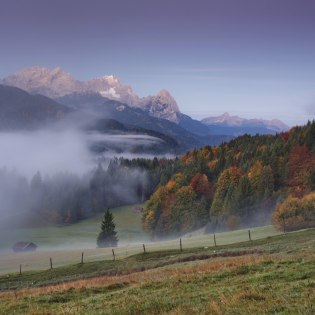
{"type": "Point", "coordinates": [238, 183]}
{"type": "Point", "coordinates": [21, 110]}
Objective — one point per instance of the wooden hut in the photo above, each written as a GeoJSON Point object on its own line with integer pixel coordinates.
{"type": "Point", "coordinates": [24, 247]}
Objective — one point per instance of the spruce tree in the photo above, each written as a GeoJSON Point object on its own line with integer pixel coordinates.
{"type": "Point", "coordinates": [108, 236]}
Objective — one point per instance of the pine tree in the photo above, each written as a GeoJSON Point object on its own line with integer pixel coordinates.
{"type": "Point", "coordinates": [108, 236]}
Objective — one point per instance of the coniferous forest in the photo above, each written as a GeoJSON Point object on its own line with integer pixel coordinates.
{"type": "Point", "coordinates": [249, 181]}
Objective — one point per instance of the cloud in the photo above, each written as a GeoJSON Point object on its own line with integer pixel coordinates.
{"type": "Point", "coordinates": [46, 151]}
{"type": "Point", "coordinates": [51, 150]}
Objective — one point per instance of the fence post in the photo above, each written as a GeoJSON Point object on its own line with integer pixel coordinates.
{"type": "Point", "coordinates": [51, 266]}
{"type": "Point", "coordinates": [143, 248]}
{"type": "Point", "coordinates": [215, 241]}
{"type": "Point", "coordinates": [113, 254]}
{"type": "Point", "coordinates": [180, 245]}
{"type": "Point", "coordinates": [249, 236]}
{"type": "Point", "coordinates": [82, 258]}
{"type": "Point", "coordinates": [20, 269]}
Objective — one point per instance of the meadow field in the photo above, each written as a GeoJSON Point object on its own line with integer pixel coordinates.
{"type": "Point", "coordinates": [79, 235]}
{"type": "Point", "coordinates": [273, 275]}
{"type": "Point", "coordinates": [266, 272]}
{"type": "Point", "coordinates": [65, 244]}
{"type": "Point", "coordinates": [40, 260]}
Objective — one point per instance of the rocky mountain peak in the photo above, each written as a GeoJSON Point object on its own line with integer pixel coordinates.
{"type": "Point", "coordinates": [39, 80]}
{"type": "Point", "coordinates": [57, 83]}
{"type": "Point", "coordinates": [225, 118]}
{"type": "Point", "coordinates": [112, 79]}
{"type": "Point", "coordinates": [162, 105]}
{"type": "Point", "coordinates": [58, 71]}
{"type": "Point", "coordinates": [164, 97]}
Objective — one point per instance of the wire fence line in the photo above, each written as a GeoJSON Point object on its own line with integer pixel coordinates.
{"type": "Point", "coordinates": [47, 259]}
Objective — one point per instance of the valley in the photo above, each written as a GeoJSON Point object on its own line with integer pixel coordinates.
{"type": "Point", "coordinates": [247, 276]}
{"type": "Point", "coordinates": [157, 157]}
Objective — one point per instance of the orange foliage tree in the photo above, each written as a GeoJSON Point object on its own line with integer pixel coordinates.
{"type": "Point", "coordinates": [225, 189]}
{"type": "Point", "coordinates": [294, 213]}
{"type": "Point", "coordinates": [300, 165]}
{"type": "Point", "coordinates": [201, 185]}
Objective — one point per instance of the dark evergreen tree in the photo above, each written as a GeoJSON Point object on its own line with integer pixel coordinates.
{"type": "Point", "coordinates": [108, 236]}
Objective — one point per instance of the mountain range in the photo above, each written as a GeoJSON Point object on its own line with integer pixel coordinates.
{"type": "Point", "coordinates": [57, 83]}
{"type": "Point", "coordinates": [235, 125]}
{"type": "Point", "coordinates": [108, 98]}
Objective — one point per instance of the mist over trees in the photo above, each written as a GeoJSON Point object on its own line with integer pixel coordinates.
{"type": "Point", "coordinates": [237, 184]}
{"type": "Point", "coordinates": [64, 197]}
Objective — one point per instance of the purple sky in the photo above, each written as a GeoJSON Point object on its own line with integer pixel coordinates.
{"type": "Point", "coordinates": [251, 58]}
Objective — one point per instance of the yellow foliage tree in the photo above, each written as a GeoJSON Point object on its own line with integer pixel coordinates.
{"type": "Point", "coordinates": [294, 213]}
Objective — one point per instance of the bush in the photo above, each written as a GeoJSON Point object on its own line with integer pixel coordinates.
{"type": "Point", "coordinates": [294, 213]}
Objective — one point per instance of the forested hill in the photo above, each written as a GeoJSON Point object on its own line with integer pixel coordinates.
{"type": "Point", "coordinates": [236, 184]}
{"type": "Point", "coordinates": [240, 183]}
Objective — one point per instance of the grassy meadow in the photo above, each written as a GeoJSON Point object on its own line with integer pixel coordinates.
{"type": "Point", "coordinates": [274, 275]}
{"type": "Point", "coordinates": [65, 244]}
{"type": "Point", "coordinates": [79, 235]}
{"type": "Point", "coordinates": [40, 260]}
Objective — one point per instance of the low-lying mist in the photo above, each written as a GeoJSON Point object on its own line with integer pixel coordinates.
{"type": "Point", "coordinates": [47, 151]}
{"type": "Point", "coordinates": [51, 151]}
{"type": "Point", "coordinates": [51, 176]}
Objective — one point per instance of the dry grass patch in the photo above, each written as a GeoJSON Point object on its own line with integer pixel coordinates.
{"type": "Point", "coordinates": [281, 281]}
{"type": "Point", "coordinates": [187, 270]}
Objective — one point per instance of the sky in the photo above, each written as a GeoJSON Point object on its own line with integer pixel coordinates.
{"type": "Point", "coordinates": [250, 58]}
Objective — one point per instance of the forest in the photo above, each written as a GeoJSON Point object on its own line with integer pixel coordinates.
{"type": "Point", "coordinates": [249, 181]}
{"type": "Point", "coordinates": [65, 197]}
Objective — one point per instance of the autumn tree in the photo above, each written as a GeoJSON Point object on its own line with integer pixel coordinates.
{"type": "Point", "coordinates": [157, 215]}
{"type": "Point", "coordinates": [188, 211]}
{"type": "Point", "coordinates": [244, 196]}
{"type": "Point", "coordinates": [294, 213]}
{"type": "Point", "coordinates": [201, 185]}
{"type": "Point", "coordinates": [225, 191]}
{"type": "Point", "coordinates": [300, 165]}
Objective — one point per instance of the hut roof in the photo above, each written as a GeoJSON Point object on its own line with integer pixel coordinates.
{"type": "Point", "coordinates": [24, 245]}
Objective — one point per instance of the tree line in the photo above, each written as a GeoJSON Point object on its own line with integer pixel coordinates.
{"type": "Point", "coordinates": [64, 198]}
{"type": "Point", "coordinates": [240, 183]}
{"type": "Point", "coordinates": [244, 182]}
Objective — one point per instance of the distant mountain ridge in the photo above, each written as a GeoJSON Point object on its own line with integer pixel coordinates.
{"type": "Point", "coordinates": [63, 87]}
{"type": "Point", "coordinates": [112, 109]}
{"type": "Point", "coordinates": [57, 83]}
{"type": "Point", "coordinates": [235, 125]}
{"type": "Point", "coordinates": [21, 110]}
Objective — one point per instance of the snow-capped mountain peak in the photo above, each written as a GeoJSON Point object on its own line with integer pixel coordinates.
{"type": "Point", "coordinates": [40, 80]}
{"type": "Point", "coordinates": [111, 79]}
{"type": "Point", "coordinates": [57, 83]}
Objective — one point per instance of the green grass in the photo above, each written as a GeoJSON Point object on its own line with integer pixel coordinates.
{"type": "Point", "coordinates": [290, 243]}
{"type": "Point", "coordinates": [274, 275]}
{"type": "Point", "coordinates": [10, 262]}
{"type": "Point", "coordinates": [79, 235]}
